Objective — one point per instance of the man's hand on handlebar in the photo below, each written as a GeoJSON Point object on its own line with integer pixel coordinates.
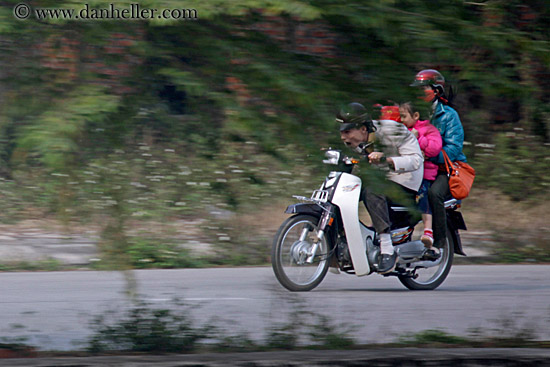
{"type": "Point", "coordinates": [378, 157]}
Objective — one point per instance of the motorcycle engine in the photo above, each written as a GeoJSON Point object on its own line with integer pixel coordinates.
{"type": "Point", "coordinates": [344, 258]}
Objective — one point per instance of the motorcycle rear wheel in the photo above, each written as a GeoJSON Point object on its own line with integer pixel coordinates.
{"type": "Point", "coordinates": [288, 255]}
{"type": "Point", "coordinates": [431, 278]}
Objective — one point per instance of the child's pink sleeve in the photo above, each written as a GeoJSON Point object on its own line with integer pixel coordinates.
{"type": "Point", "coordinates": [430, 142]}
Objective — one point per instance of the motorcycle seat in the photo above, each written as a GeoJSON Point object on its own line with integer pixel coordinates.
{"type": "Point", "coordinates": [449, 204]}
{"type": "Point", "coordinates": [452, 203]}
{"type": "Point", "coordinates": [399, 208]}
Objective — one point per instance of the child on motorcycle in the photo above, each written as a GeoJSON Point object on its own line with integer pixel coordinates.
{"type": "Point", "coordinates": [430, 143]}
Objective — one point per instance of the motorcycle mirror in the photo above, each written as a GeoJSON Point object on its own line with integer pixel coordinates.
{"type": "Point", "coordinates": [333, 156]}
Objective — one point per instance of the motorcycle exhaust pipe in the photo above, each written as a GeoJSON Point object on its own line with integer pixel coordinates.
{"type": "Point", "coordinates": [410, 251]}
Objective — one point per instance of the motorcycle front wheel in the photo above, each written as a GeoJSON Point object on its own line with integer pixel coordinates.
{"type": "Point", "coordinates": [429, 278]}
{"type": "Point", "coordinates": [290, 252]}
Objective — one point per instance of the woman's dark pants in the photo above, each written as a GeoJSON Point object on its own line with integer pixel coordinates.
{"type": "Point", "coordinates": [437, 194]}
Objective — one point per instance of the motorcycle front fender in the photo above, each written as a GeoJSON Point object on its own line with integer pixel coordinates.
{"type": "Point", "coordinates": [304, 208]}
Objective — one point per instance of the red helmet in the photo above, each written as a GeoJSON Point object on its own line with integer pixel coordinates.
{"type": "Point", "coordinates": [428, 77]}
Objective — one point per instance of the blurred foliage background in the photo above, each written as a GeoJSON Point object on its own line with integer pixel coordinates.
{"type": "Point", "coordinates": [172, 135]}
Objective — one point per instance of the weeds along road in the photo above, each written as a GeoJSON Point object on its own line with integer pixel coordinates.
{"type": "Point", "coordinates": [53, 310]}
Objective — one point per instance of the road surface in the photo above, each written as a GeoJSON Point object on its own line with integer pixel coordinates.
{"type": "Point", "coordinates": [53, 310]}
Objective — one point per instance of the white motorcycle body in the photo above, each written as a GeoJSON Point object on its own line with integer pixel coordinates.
{"type": "Point", "coordinates": [346, 197]}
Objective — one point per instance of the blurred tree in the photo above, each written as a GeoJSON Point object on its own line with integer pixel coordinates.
{"type": "Point", "coordinates": [249, 79]}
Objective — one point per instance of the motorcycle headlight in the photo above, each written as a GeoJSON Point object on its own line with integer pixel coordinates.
{"type": "Point", "coordinates": [333, 156]}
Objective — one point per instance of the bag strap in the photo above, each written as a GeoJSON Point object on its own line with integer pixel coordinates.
{"type": "Point", "coordinates": [448, 163]}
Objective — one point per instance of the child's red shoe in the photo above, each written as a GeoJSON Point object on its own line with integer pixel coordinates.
{"type": "Point", "coordinates": [427, 238]}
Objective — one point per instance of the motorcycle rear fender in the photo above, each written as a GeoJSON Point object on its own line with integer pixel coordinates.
{"type": "Point", "coordinates": [454, 223]}
{"type": "Point", "coordinates": [304, 208]}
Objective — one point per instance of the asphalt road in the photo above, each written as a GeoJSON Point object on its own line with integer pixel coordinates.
{"type": "Point", "coordinates": [54, 310]}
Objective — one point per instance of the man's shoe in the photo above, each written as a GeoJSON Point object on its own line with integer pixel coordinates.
{"type": "Point", "coordinates": [386, 263]}
{"type": "Point", "coordinates": [432, 254]}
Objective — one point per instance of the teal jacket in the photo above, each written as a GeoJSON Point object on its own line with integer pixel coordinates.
{"type": "Point", "coordinates": [446, 120]}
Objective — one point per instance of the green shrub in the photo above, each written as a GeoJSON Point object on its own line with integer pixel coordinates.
{"type": "Point", "coordinates": [150, 253]}
{"type": "Point", "coordinates": [516, 165]}
{"type": "Point", "coordinates": [145, 329]}
{"type": "Point", "coordinates": [431, 337]}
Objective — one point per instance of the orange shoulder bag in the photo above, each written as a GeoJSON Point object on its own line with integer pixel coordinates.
{"type": "Point", "coordinates": [461, 177]}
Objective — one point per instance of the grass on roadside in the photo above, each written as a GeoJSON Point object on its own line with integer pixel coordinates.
{"type": "Point", "coordinates": [173, 330]}
{"type": "Point", "coordinates": [40, 265]}
{"type": "Point", "coordinates": [146, 329]}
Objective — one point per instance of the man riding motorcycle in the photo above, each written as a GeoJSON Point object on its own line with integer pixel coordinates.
{"type": "Point", "coordinates": [398, 155]}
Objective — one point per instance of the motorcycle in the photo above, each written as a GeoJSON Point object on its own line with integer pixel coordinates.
{"type": "Point", "coordinates": [325, 231]}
